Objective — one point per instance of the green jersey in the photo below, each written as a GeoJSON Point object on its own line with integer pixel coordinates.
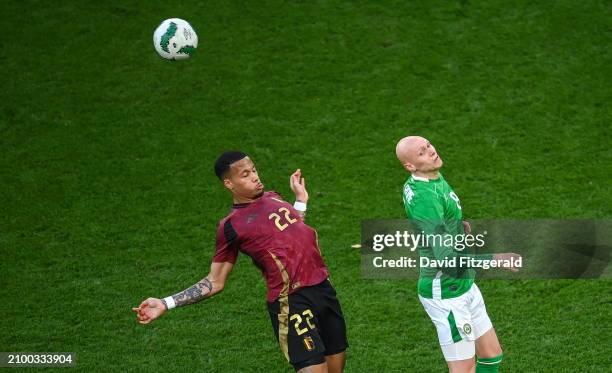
{"type": "Point", "coordinates": [434, 209]}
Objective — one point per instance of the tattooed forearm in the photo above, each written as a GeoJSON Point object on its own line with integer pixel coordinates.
{"type": "Point", "coordinates": [302, 214]}
{"type": "Point", "coordinates": [193, 294]}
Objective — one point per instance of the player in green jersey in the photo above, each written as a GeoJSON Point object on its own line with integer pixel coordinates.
{"type": "Point", "coordinates": [450, 297]}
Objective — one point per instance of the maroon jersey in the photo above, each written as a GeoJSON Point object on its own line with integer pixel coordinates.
{"type": "Point", "coordinates": [272, 233]}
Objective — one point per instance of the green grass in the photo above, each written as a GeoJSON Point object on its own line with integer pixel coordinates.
{"type": "Point", "coordinates": [107, 193]}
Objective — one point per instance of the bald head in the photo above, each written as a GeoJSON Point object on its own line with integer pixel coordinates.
{"type": "Point", "coordinates": [405, 148]}
{"type": "Point", "coordinates": [418, 155]}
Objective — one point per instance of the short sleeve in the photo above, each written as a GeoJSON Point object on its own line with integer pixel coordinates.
{"type": "Point", "coordinates": [227, 246]}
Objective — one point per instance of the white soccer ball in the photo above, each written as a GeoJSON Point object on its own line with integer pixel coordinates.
{"type": "Point", "coordinates": [175, 39]}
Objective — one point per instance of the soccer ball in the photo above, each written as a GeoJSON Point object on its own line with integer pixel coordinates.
{"type": "Point", "coordinates": [175, 39]}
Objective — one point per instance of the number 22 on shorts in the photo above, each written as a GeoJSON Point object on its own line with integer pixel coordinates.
{"type": "Point", "coordinates": [302, 325]}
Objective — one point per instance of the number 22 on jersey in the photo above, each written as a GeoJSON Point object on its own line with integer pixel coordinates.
{"type": "Point", "coordinates": [281, 223]}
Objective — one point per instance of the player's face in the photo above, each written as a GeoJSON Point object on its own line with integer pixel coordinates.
{"type": "Point", "coordinates": [243, 179]}
{"type": "Point", "coordinates": [425, 157]}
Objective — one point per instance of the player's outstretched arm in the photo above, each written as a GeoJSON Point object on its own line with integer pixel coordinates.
{"type": "Point", "coordinates": [298, 186]}
{"type": "Point", "coordinates": [152, 308]}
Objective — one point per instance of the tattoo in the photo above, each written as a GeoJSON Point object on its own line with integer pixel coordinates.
{"type": "Point", "coordinates": [193, 294]}
{"type": "Point", "coordinates": [302, 214]}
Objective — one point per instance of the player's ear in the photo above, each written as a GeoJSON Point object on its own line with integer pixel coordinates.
{"type": "Point", "coordinates": [228, 184]}
{"type": "Point", "coordinates": [409, 167]}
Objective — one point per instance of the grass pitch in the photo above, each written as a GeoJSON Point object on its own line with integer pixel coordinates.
{"type": "Point", "coordinates": [108, 193]}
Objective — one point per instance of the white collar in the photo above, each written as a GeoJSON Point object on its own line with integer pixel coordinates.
{"type": "Point", "coordinates": [418, 178]}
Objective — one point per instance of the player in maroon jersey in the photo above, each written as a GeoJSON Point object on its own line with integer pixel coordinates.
{"type": "Point", "coordinates": [303, 307]}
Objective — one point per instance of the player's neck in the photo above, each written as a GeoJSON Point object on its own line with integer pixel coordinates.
{"type": "Point", "coordinates": [431, 175]}
{"type": "Point", "coordinates": [242, 199]}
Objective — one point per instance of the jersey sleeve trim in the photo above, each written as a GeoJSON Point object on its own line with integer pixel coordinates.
{"type": "Point", "coordinates": [227, 246]}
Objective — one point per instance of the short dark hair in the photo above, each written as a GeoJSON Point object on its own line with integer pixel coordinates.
{"type": "Point", "coordinates": [225, 160]}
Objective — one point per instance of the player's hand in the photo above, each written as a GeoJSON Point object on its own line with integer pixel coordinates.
{"type": "Point", "coordinates": [467, 228]}
{"type": "Point", "coordinates": [298, 186]}
{"type": "Point", "coordinates": [508, 263]}
{"type": "Point", "coordinates": [149, 310]}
